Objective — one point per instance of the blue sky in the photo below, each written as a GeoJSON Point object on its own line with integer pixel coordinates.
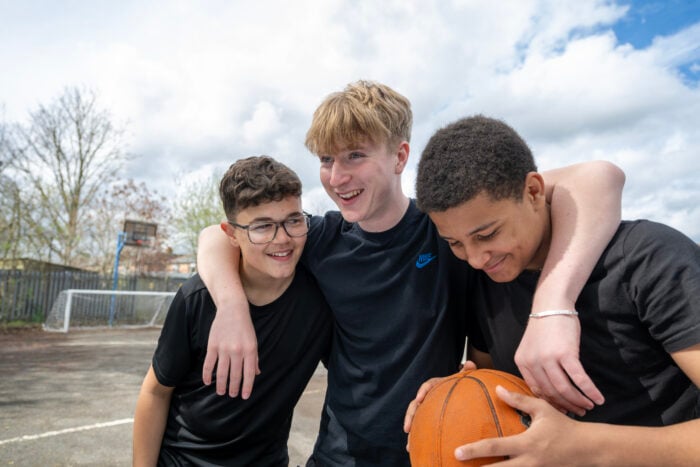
{"type": "Point", "coordinates": [200, 84]}
{"type": "Point", "coordinates": [648, 19]}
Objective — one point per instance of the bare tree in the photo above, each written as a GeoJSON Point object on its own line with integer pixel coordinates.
{"type": "Point", "coordinates": [65, 155]}
{"type": "Point", "coordinates": [10, 201]}
{"type": "Point", "coordinates": [114, 204]}
{"type": "Point", "coordinates": [196, 206]}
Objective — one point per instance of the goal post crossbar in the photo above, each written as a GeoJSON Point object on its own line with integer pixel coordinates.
{"type": "Point", "coordinates": [65, 303]}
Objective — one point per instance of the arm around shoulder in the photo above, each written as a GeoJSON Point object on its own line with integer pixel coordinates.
{"type": "Point", "coordinates": [232, 340]}
{"type": "Point", "coordinates": [585, 204]}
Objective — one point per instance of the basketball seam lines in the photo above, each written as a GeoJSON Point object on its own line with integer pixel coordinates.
{"type": "Point", "coordinates": [442, 414]}
{"type": "Point", "coordinates": [492, 408]}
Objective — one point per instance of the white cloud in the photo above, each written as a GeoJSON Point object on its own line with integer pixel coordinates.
{"type": "Point", "coordinates": [202, 84]}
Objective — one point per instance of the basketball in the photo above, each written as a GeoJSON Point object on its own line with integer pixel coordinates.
{"type": "Point", "coordinates": [461, 409]}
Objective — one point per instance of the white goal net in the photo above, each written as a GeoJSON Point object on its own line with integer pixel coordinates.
{"type": "Point", "coordinates": [77, 308]}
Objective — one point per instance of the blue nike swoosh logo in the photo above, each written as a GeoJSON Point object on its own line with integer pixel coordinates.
{"type": "Point", "coordinates": [423, 260]}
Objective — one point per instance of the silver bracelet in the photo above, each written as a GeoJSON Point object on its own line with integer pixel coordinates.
{"type": "Point", "coordinates": [543, 314]}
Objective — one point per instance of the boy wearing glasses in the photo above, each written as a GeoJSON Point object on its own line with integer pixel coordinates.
{"type": "Point", "coordinates": [181, 421]}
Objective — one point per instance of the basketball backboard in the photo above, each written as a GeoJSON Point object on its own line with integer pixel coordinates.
{"type": "Point", "coordinates": [141, 234]}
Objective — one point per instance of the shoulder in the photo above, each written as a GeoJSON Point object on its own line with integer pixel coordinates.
{"type": "Point", "coordinates": [644, 237]}
{"type": "Point", "coordinates": [193, 285]}
{"type": "Point", "coordinates": [304, 284]}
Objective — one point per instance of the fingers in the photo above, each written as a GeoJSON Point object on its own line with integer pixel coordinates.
{"type": "Point", "coordinates": [209, 365]}
{"type": "Point", "coordinates": [499, 447]}
{"type": "Point", "coordinates": [231, 374]}
{"type": "Point", "coordinates": [408, 418]}
{"type": "Point", "coordinates": [250, 370]}
{"type": "Point", "coordinates": [585, 384]}
{"type": "Point", "coordinates": [564, 393]}
{"type": "Point", "coordinates": [468, 365]}
{"type": "Point", "coordinates": [518, 401]}
{"type": "Point", "coordinates": [420, 396]}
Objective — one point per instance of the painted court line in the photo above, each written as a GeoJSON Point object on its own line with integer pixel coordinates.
{"type": "Point", "coordinates": [67, 430]}
{"type": "Point", "coordinates": [89, 427]}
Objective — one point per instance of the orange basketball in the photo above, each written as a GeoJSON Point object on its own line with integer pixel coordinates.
{"type": "Point", "coordinates": [461, 409]}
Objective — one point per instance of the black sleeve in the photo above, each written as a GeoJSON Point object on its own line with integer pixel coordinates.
{"type": "Point", "coordinates": [664, 268]}
{"type": "Point", "coordinates": [171, 360]}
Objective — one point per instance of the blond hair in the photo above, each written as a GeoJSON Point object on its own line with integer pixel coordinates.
{"type": "Point", "coordinates": [364, 110]}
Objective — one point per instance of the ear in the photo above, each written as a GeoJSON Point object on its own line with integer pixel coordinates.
{"type": "Point", "coordinates": [402, 156]}
{"type": "Point", "coordinates": [534, 191]}
{"type": "Point", "coordinates": [230, 232]}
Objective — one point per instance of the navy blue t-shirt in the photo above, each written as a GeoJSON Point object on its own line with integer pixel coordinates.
{"type": "Point", "coordinates": [398, 299]}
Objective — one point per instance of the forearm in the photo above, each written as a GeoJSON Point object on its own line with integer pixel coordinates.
{"type": "Point", "coordinates": [150, 419]}
{"type": "Point", "coordinates": [585, 211]}
{"type": "Point", "coordinates": [217, 265]}
{"type": "Point", "coordinates": [232, 348]}
{"type": "Point", "coordinates": [614, 445]}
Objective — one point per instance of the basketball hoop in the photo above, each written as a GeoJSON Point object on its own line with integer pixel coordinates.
{"type": "Point", "coordinates": [139, 234]}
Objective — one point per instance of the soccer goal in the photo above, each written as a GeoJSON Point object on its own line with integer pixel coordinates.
{"type": "Point", "coordinates": [80, 308]}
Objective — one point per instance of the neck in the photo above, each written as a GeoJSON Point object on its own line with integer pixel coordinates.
{"type": "Point", "coordinates": [394, 211]}
{"type": "Point", "coordinates": [261, 289]}
{"type": "Point", "coordinates": [542, 251]}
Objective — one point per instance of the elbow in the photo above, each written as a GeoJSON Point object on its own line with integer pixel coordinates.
{"type": "Point", "coordinates": [613, 175]}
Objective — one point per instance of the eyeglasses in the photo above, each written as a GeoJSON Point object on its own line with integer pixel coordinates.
{"type": "Point", "coordinates": [260, 233]}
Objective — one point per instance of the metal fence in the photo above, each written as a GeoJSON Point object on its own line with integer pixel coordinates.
{"type": "Point", "coordinates": [29, 295]}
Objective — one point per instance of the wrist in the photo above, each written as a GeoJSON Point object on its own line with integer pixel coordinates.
{"type": "Point", "coordinates": [546, 313]}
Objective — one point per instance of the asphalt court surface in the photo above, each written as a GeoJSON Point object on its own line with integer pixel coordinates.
{"type": "Point", "coordinates": [68, 399]}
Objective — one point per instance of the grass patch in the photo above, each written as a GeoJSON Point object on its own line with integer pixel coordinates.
{"type": "Point", "coordinates": [18, 325]}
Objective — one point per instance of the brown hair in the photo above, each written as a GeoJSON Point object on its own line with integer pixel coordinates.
{"type": "Point", "coordinates": [256, 180]}
{"type": "Point", "coordinates": [363, 110]}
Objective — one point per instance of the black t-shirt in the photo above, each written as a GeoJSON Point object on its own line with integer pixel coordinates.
{"type": "Point", "coordinates": [293, 333]}
{"type": "Point", "coordinates": [398, 298]}
{"type": "Point", "coordinates": [641, 302]}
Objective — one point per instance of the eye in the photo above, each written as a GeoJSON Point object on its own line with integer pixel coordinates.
{"type": "Point", "coordinates": [292, 221]}
{"type": "Point", "coordinates": [326, 160]}
{"type": "Point", "coordinates": [355, 155]}
{"type": "Point", "coordinates": [261, 228]}
{"type": "Point", "coordinates": [486, 237]}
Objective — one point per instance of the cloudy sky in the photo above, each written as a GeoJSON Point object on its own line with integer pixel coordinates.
{"type": "Point", "coordinates": [200, 84]}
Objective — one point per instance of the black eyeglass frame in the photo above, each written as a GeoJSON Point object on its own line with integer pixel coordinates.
{"type": "Point", "coordinates": [305, 215]}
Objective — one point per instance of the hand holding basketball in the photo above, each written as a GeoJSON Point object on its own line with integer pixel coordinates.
{"type": "Point", "coordinates": [459, 409]}
{"type": "Point", "coordinates": [551, 440]}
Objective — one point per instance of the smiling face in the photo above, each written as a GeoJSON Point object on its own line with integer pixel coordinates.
{"type": "Point", "coordinates": [502, 237]}
{"type": "Point", "coordinates": [365, 183]}
{"type": "Point", "coordinates": [276, 260]}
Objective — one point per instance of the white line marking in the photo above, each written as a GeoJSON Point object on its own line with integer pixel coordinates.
{"type": "Point", "coordinates": [67, 430]}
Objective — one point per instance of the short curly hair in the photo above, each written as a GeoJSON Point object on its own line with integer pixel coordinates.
{"type": "Point", "coordinates": [470, 156]}
{"type": "Point", "coordinates": [254, 181]}
{"type": "Point", "coordinates": [364, 110]}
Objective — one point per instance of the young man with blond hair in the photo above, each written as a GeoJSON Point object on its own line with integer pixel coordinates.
{"type": "Point", "coordinates": [398, 295]}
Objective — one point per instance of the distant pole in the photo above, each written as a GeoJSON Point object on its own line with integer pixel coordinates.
{"type": "Point", "coordinates": [121, 239]}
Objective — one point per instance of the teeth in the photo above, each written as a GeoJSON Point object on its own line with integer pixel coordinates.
{"type": "Point", "coordinates": [350, 194]}
{"type": "Point", "coordinates": [281, 254]}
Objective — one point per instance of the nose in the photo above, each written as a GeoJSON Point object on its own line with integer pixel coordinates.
{"type": "Point", "coordinates": [281, 235]}
{"type": "Point", "coordinates": [339, 175]}
{"type": "Point", "coordinates": [478, 257]}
